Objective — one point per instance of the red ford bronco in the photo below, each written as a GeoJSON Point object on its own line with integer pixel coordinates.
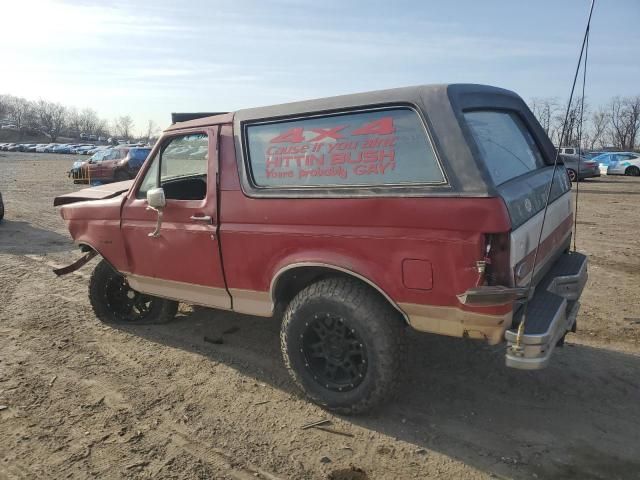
{"type": "Point", "coordinates": [352, 217]}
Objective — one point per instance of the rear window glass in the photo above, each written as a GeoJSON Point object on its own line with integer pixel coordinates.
{"type": "Point", "coordinates": [383, 147]}
{"type": "Point", "coordinates": [506, 146]}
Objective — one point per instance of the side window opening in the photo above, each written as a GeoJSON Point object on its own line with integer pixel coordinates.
{"type": "Point", "coordinates": [180, 169]}
{"type": "Point", "coordinates": [370, 148]}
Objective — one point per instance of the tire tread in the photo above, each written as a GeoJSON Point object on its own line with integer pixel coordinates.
{"type": "Point", "coordinates": [385, 323]}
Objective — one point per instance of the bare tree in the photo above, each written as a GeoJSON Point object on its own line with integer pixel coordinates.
{"type": "Point", "coordinates": [20, 111]}
{"type": "Point", "coordinates": [152, 130]}
{"type": "Point", "coordinates": [74, 123]}
{"type": "Point", "coordinates": [102, 128]}
{"type": "Point", "coordinates": [123, 126]}
{"type": "Point", "coordinates": [632, 105]}
{"type": "Point", "coordinates": [545, 110]}
{"type": "Point", "coordinates": [599, 125]}
{"type": "Point", "coordinates": [52, 116]}
{"type": "Point", "coordinates": [624, 121]}
{"type": "Point", "coordinates": [5, 105]}
{"type": "Point", "coordinates": [89, 121]}
{"type": "Point", "coordinates": [572, 128]}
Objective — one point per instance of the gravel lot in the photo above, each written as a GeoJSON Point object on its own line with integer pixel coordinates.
{"type": "Point", "coordinates": [87, 400]}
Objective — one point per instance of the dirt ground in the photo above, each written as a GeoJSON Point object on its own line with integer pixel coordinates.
{"type": "Point", "coordinates": [81, 399]}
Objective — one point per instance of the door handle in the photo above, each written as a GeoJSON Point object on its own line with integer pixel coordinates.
{"type": "Point", "coordinates": [203, 218]}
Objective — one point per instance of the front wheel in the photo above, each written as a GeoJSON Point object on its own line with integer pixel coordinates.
{"type": "Point", "coordinates": [573, 176]}
{"type": "Point", "coordinates": [343, 344]}
{"type": "Point", "coordinates": [114, 301]}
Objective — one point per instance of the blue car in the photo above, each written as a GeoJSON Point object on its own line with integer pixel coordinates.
{"type": "Point", "coordinates": [64, 148]}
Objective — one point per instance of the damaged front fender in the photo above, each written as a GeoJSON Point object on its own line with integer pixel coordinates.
{"type": "Point", "coordinates": [81, 262]}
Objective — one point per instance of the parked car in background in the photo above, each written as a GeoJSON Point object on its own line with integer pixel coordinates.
{"type": "Point", "coordinates": [38, 148]}
{"type": "Point", "coordinates": [591, 155]}
{"type": "Point", "coordinates": [82, 148]}
{"type": "Point", "coordinates": [96, 149]}
{"type": "Point", "coordinates": [13, 147]}
{"type": "Point", "coordinates": [60, 148]}
{"type": "Point", "coordinates": [75, 171]}
{"type": "Point", "coordinates": [109, 165]}
{"type": "Point", "coordinates": [587, 168]}
{"type": "Point", "coordinates": [23, 147]}
{"type": "Point", "coordinates": [568, 150]}
{"type": "Point", "coordinates": [45, 147]}
{"type": "Point", "coordinates": [619, 163]}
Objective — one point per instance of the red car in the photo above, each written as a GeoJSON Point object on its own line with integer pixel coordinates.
{"type": "Point", "coordinates": [352, 217]}
{"type": "Point", "coordinates": [111, 165]}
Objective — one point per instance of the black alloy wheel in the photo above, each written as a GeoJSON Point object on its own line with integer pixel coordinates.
{"type": "Point", "coordinates": [335, 354]}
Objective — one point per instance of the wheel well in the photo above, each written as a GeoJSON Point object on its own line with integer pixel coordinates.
{"type": "Point", "coordinates": [85, 248]}
{"type": "Point", "coordinates": [291, 282]}
{"type": "Point", "coordinates": [631, 168]}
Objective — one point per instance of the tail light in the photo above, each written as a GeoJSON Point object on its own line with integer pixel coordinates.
{"type": "Point", "coordinates": [498, 263]}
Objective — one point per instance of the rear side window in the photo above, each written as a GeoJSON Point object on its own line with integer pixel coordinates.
{"type": "Point", "coordinates": [506, 146]}
{"type": "Point", "coordinates": [382, 147]}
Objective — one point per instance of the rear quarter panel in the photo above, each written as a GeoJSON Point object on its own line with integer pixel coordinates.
{"type": "Point", "coordinates": [368, 236]}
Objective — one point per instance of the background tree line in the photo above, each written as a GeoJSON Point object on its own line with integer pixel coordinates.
{"type": "Point", "coordinates": [613, 125]}
{"type": "Point", "coordinates": [56, 120]}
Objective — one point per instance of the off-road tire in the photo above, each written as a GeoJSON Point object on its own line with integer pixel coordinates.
{"type": "Point", "coordinates": [160, 311]}
{"type": "Point", "coordinates": [377, 324]}
{"type": "Point", "coordinates": [632, 171]}
{"type": "Point", "coordinates": [120, 176]}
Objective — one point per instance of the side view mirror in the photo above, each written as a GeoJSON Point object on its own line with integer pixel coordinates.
{"type": "Point", "coordinates": [156, 201]}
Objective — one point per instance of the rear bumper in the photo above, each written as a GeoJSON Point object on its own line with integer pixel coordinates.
{"type": "Point", "coordinates": [589, 173]}
{"type": "Point", "coordinates": [551, 313]}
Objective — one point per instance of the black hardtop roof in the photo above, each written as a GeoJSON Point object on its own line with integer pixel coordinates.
{"type": "Point", "coordinates": [418, 95]}
{"type": "Point", "coordinates": [442, 108]}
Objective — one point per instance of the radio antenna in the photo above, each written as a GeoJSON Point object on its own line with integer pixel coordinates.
{"type": "Point", "coordinates": [584, 80]}
{"type": "Point", "coordinates": [583, 52]}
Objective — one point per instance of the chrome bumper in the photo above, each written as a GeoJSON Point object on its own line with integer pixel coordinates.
{"type": "Point", "coordinates": [551, 313]}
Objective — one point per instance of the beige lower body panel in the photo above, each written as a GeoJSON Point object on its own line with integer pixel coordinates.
{"type": "Point", "coordinates": [180, 291]}
{"type": "Point", "coordinates": [249, 302]}
{"type": "Point", "coordinates": [449, 321]}
{"type": "Point", "coordinates": [454, 322]}
{"type": "Point", "coordinates": [252, 302]}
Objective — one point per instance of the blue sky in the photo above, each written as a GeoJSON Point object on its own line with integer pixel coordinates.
{"type": "Point", "coordinates": [148, 58]}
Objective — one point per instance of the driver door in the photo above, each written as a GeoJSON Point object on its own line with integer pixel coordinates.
{"type": "Point", "coordinates": [183, 262]}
